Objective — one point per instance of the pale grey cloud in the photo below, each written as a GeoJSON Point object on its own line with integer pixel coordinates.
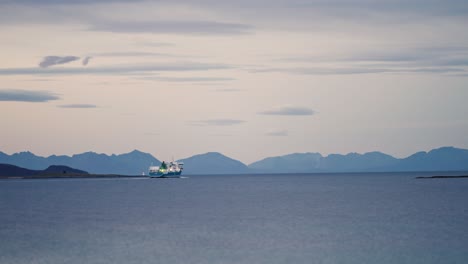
{"type": "Point", "coordinates": [19, 95]}
{"type": "Point", "coordinates": [381, 56]}
{"type": "Point", "coordinates": [156, 44]}
{"type": "Point", "coordinates": [117, 69]}
{"type": "Point", "coordinates": [48, 61]}
{"type": "Point", "coordinates": [187, 79]}
{"type": "Point", "coordinates": [309, 14]}
{"type": "Point", "coordinates": [434, 57]}
{"type": "Point", "coordinates": [289, 111]}
{"type": "Point", "coordinates": [434, 7]}
{"type": "Point", "coordinates": [77, 106]}
{"type": "Point", "coordinates": [86, 60]}
{"type": "Point", "coordinates": [41, 80]}
{"type": "Point", "coordinates": [322, 70]}
{"type": "Point", "coordinates": [173, 27]}
{"type": "Point", "coordinates": [134, 54]}
{"type": "Point", "coordinates": [217, 122]}
{"type": "Point", "coordinates": [442, 59]}
{"type": "Point", "coordinates": [360, 70]}
{"type": "Point", "coordinates": [441, 70]}
{"type": "Point", "coordinates": [278, 133]}
{"type": "Point", "coordinates": [227, 90]}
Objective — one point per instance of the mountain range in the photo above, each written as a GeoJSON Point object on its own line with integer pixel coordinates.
{"type": "Point", "coordinates": [441, 159]}
{"type": "Point", "coordinates": [133, 163]}
{"type": "Point", "coordinates": [136, 162]}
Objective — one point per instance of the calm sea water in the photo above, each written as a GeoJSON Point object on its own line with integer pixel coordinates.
{"type": "Point", "coordinates": [329, 218]}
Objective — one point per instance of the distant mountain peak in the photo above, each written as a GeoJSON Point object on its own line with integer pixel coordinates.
{"type": "Point", "coordinates": [87, 153]}
{"type": "Point", "coordinates": [213, 163]}
{"type": "Point", "coordinates": [24, 153]}
{"type": "Point", "coordinates": [445, 149]}
{"type": "Point", "coordinates": [374, 153]}
{"type": "Point", "coordinates": [214, 153]}
{"type": "Point", "coordinates": [211, 154]}
{"type": "Point", "coordinates": [136, 152]}
{"type": "Point", "coordinates": [303, 153]}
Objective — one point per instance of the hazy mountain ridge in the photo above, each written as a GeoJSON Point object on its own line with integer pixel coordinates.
{"type": "Point", "coordinates": [136, 162]}
{"type": "Point", "coordinates": [441, 159]}
{"type": "Point", "coordinates": [296, 162]}
{"type": "Point", "coordinates": [213, 163]}
{"type": "Point", "coordinates": [133, 163]}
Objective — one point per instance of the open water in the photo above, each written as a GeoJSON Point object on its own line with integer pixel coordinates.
{"type": "Point", "coordinates": [328, 218]}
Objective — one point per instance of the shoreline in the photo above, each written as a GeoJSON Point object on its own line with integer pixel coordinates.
{"type": "Point", "coordinates": [113, 176]}
{"type": "Point", "coordinates": [442, 177]}
{"type": "Point", "coordinates": [70, 176]}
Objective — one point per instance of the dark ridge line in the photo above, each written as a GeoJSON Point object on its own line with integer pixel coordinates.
{"type": "Point", "coordinates": [70, 176]}
{"type": "Point", "coordinates": [442, 177]}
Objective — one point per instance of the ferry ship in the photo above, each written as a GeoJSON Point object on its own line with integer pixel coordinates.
{"type": "Point", "coordinates": [166, 170]}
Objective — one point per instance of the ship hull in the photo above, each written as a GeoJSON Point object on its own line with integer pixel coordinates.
{"type": "Point", "coordinates": [166, 175]}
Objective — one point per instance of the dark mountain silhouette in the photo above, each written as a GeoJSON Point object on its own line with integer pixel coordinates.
{"type": "Point", "coordinates": [8, 170]}
{"type": "Point", "coordinates": [213, 163]}
{"type": "Point", "coordinates": [60, 169]}
{"type": "Point", "coordinates": [136, 162]}
{"type": "Point", "coordinates": [12, 170]}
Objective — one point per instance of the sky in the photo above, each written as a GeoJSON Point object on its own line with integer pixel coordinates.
{"type": "Point", "coordinates": [248, 78]}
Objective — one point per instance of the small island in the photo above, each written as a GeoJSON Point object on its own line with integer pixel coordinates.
{"type": "Point", "coordinates": [8, 171]}
{"type": "Point", "coordinates": [442, 177]}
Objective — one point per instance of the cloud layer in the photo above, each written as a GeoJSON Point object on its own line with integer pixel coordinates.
{"type": "Point", "coordinates": [77, 106]}
{"type": "Point", "coordinates": [173, 27]}
{"type": "Point", "coordinates": [289, 111]}
{"type": "Point", "coordinates": [217, 122]}
{"type": "Point", "coordinates": [391, 60]}
{"type": "Point", "coordinates": [56, 60]}
{"type": "Point", "coordinates": [187, 79]}
{"type": "Point", "coordinates": [18, 95]}
{"type": "Point", "coordinates": [278, 133]}
{"type": "Point", "coordinates": [117, 69]}
{"type": "Point", "coordinates": [86, 60]}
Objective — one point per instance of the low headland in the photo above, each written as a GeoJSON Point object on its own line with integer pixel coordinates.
{"type": "Point", "coordinates": [8, 171]}
{"type": "Point", "coordinates": [442, 177]}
